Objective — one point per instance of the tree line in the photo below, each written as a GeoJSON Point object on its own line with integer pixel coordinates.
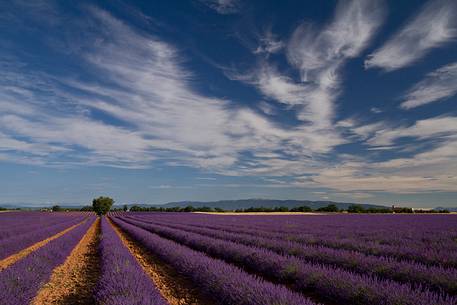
{"type": "Point", "coordinates": [355, 208]}
{"type": "Point", "coordinates": [103, 205]}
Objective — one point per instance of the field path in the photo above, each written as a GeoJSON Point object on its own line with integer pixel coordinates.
{"type": "Point", "coordinates": [23, 253]}
{"type": "Point", "coordinates": [176, 289]}
{"type": "Point", "coordinates": [74, 281]}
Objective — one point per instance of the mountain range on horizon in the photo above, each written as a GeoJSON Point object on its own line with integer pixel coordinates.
{"type": "Point", "coordinates": [267, 203]}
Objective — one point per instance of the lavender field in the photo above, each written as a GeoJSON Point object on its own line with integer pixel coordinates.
{"type": "Point", "coordinates": [189, 258]}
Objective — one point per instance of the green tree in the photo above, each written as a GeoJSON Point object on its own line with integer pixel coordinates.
{"type": "Point", "coordinates": [86, 208]}
{"type": "Point", "coordinates": [126, 208]}
{"type": "Point", "coordinates": [281, 209]}
{"type": "Point", "coordinates": [188, 208]}
{"type": "Point", "coordinates": [102, 205]}
{"type": "Point", "coordinates": [355, 208]}
{"type": "Point", "coordinates": [329, 208]}
{"type": "Point", "coordinates": [135, 208]}
{"type": "Point", "coordinates": [56, 208]}
{"type": "Point", "coordinates": [303, 208]}
{"type": "Point", "coordinates": [204, 209]}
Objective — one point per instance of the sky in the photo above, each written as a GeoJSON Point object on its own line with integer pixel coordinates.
{"type": "Point", "coordinates": [158, 101]}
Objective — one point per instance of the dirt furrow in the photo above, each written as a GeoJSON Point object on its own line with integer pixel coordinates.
{"type": "Point", "coordinates": [74, 281]}
{"type": "Point", "coordinates": [23, 253]}
{"type": "Point", "coordinates": [175, 288]}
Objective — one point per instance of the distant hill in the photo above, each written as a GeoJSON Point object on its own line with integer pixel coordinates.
{"type": "Point", "coordinates": [268, 203]}
{"type": "Point", "coordinates": [28, 206]}
{"type": "Point", "coordinates": [449, 209]}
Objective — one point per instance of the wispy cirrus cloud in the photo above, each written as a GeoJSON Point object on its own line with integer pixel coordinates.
{"type": "Point", "coordinates": [435, 25]}
{"type": "Point", "coordinates": [352, 178]}
{"type": "Point", "coordinates": [314, 52]}
{"type": "Point", "coordinates": [436, 86]}
{"type": "Point", "coordinates": [318, 55]}
{"type": "Point", "coordinates": [269, 44]}
{"type": "Point", "coordinates": [375, 110]}
{"type": "Point", "coordinates": [425, 168]}
{"type": "Point", "coordinates": [277, 86]}
{"type": "Point", "coordinates": [223, 7]}
{"type": "Point", "coordinates": [432, 128]}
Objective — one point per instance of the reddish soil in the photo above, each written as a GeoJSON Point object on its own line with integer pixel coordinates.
{"type": "Point", "coordinates": [74, 281]}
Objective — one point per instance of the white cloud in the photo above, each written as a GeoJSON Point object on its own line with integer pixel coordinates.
{"type": "Point", "coordinates": [354, 180]}
{"type": "Point", "coordinates": [347, 123]}
{"type": "Point", "coordinates": [437, 86]}
{"type": "Point", "coordinates": [269, 44]}
{"type": "Point", "coordinates": [223, 7]}
{"type": "Point", "coordinates": [366, 131]}
{"type": "Point", "coordinates": [432, 128]}
{"type": "Point", "coordinates": [375, 110]}
{"type": "Point", "coordinates": [318, 56]}
{"type": "Point", "coordinates": [8, 143]}
{"type": "Point", "coordinates": [435, 25]}
{"type": "Point", "coordinates": [426, 168]}
{"type": "Point", "coordinates": [358, 195]}
{"type": "Point", "coordinates": [353, 27]}
{"type": "Point", "coordinates": [167, 186]}
{"type": "Point", "coordinates": [280, 87]}
{"type": "Point", "coordinates": [267, 108]}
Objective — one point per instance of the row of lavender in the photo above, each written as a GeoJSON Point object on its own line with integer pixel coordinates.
{"type": "Point", "coordinates": [321, 274]}
{"type": "Point", "coordinates": [20, 282]}
{"type": "Point", "coordinates": [434, 277]}
{"type": "Point", "coordinates": [122, 279]}
{"type": "Point", "coordinates": [427, 239]}
{"type": "Point", "coordinates": [34, 229]}
{"type": "Point", "coordinates": [220, 281]}
{"type": "Point", "coordinates": [16, 223]}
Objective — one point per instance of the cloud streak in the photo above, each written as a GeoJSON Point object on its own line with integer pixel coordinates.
{"type": "Point", "coordinates": [269, 44]}
{"type": "Point", "coordinates": [432, 128]}
{"type": "Point", "coordinates": [423, 170]}
{"type": "Point", "coordinates": [223, 7]}
{"type": "Point", "coordinates": [437, 86]}
{"type": "Point", "coordinates": [435, 25]}
{"type": "Point", "coordinates": [318, 56]}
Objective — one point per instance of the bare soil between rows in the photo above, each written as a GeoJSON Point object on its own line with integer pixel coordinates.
{"type": "Point", "coordinates": [74, 281]}
{"type": "Point", "coordinates": [175, 288]}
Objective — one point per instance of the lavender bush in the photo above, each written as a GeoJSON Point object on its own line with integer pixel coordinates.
{"type": "Point", "coordinates": [122, 279]}
{"type": "Point", "coordinates": [20, 282]}
{"type": "Point", "coordinates": [230, 285]}
{"type": "Point", "coordinates": [427, 239]}
{"type": "Point", "coordinates": [435, 277]}
{"type": "Point", "coordinates": [330, 283]}
{"type": "Point", "coordinates": [14, 244]}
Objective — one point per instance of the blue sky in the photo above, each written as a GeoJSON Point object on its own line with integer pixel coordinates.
{"type": "Point", "coordinates": [158, 101]}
